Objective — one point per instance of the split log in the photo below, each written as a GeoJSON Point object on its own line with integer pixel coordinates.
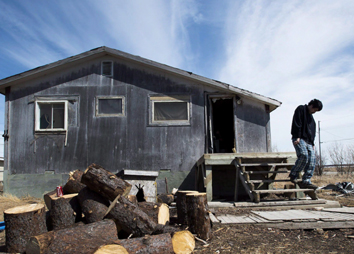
{"type": "Point", "coordinates": [65, 211]}
{"type": "Point", "coordinates": [159, 212]}
{"type": "Point", "coordinates": [183, 242]}
{"type": "Point", "coordinates": [104, 182]}
{"type": "Point", "coordinates": [74, 184]}
{"type": "Point", "coordinates": [93, 205]}
{"type": "Point", "coordinates": [152, 244]}
{"type": "Point", "coordinates": [198, 213]}
{"type": "Point", "coordinates": [48, 198]}
{"type": "Point", "coordinates": [111, 249]}
{"type": "Point", "coordinates": [132, 198]}
{"type": "Point", "coordinates": [22, 223]}
{"type": "Point", "coordinates": [75, 240]}
{"type": "Point", "coordinates": [130, 218]}
{"type": "Point", "coordinates": [182, 216]}
{"type": "Point", "coordinates": [165, 198]}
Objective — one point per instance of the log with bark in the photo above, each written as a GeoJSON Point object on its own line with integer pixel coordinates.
{"type": "Point", "coordinates": [165, 198]}
{"type": "Point", "coordinates": [198, 215]}
{"type": "Point", "coordinates": [104, 182]}
{"type": "Point", "coordinates": [22, 223]}
{"type": "Point", "coordinates": [93, 205]}
{"type": "Point", "coordinates": [74, 240]}
{"type": "Point", "coordinates": [74, 185]}
{"type": "Point", "coordinates": [183, 242]}
{"type": "Point", "coordinates": [182, 216]}
{"type": "Point", "coordinates": [132, 198]}
{"type": "Point", "coordinates": [48, 198]}
{"type": "Point", "coordinates": [65, 211]}
{"type": "Point", "coordinates": [159, 212]}
{"type": "Point", "coordinates": [130, 218]}
{"type": "Point", "coordinates": [152, 244]}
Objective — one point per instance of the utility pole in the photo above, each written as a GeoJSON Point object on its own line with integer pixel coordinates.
{"type": "Point", "coordinates": [319, 144]}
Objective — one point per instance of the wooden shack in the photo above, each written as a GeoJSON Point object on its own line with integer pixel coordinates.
{"type": "Point", "coordinates": [123, 112]}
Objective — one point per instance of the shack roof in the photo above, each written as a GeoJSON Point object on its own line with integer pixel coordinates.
{"type": "Point", "coordinates": [102, 51]}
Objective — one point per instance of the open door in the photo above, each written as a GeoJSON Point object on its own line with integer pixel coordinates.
{"type": "Point", "coordinates": [221, 124]}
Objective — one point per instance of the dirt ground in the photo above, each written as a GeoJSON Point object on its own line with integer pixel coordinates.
{"type": "Point", "coordinates": [257, 239]}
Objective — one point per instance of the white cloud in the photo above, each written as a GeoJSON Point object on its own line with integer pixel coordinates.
{"type": "Point", "coordinates": [292, 51]}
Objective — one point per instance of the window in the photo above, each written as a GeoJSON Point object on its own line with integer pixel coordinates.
{"type": "Point", "coordinates": [110, 106]}
{"type": "Point", "coordinates": [170, 110]}
{"type": "Point", "coordinates": [51, 115]}
{"type": "Point", "coordinates": [107, 68]}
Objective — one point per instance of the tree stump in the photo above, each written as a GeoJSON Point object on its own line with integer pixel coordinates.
{"type": "Point", "coordinates": [199, 220]}
{"type": "Point", "coordinates": [152, 244]}
{"type": "Point", "coordinates": [183, 242]}
{"type": "Point", "coordinates": [104, 182]}
{"type": "Point", "coordinates": [159, 212]}
{"type": "Point", "coordinates": [165, 198]}
{"type": "Point", "coordinates": [75, 240]}
{"type": "Point", "coordinates": [65, 211]}
{"type": "Point", "coordinates": [22, 222]}
{"type": "Point", "coordinates": [111, 249]}
{"type": "Point", "coordinates": [74, 184]}
{"type": "Point", "coordinates": [182, 216]}
{"type": "Point", "coordinates": [130, 218]}
{"type": "Point", "coordinates": [93, 205]}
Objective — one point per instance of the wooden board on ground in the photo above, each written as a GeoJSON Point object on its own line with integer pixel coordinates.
{"type": "Point", "coordinates": [280, 203]}
{"type": "Point", "coordinates": [340, 210]}
{"type": "Point", "coordinates": [291, 215]}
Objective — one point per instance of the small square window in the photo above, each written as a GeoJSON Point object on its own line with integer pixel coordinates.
{"type": "Point", "coordinates": [107, 68]}
{"type": "Point", "coordinates": [51, 116]}
{"type": "Point", "coordinates": [110, 106]}
{"type": "Point", "coordinates": [170, 110]}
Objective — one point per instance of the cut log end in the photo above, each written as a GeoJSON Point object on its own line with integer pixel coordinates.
{"type": "Point", "coordinates": [183, 242]}
{"type": "Point", "coordinates": [24, 209]}
{"type": "Point", "coordinates": [112, 249]}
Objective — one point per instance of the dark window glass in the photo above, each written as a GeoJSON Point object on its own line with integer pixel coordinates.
{"type": "Point", "coordinates": [107, 68]}
{"type": "Point", "coordinates": [110, 106]}
{"type": "Point", "coordinates": [165, 111]}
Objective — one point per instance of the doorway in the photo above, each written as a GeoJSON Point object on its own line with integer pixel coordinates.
{"type": "Point", "coordinates": [223, 125]}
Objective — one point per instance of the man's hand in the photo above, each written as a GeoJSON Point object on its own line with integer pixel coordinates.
{"type": "Point", "coordinates": [297, 141]}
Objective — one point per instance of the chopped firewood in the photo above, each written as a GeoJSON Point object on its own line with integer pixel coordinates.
{"type": "Point", "coordinates": [111, 249]}
{"type": "Point", "coordinates": [182, 216]}
{"type": "Point", "coordinates": [23, 222]}
{"type": "Point", "coordinates": [74, 184]}
{"type": "Point", "coordinates": [132, 198]}
{"type": "Point", "coordinates": [48, 198]}
{"type": "Point", "coordinates": [93, 205]}
{"type": "Point", "coordinates": [199, 220]}
{"type": "Point", "coordinates": [130, 218]}
{"type": "Point", "coordinates": [101, 181]}
{"type": "Point", "coordinates": [152, 244]}
{"type": "Point", "coordinates": [183, 242]}
{"type": "Point", "coordinates": [75, 240]}
{"type": "Point", "coordinates": [159, 212]}
{"type": "Point", "coordinates": [65, 211]}
{"type": "Point", "coordinates": [165, 198]}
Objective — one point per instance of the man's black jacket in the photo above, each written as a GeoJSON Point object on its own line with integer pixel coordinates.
{"type": "Point", "coordinates": [303, 126]}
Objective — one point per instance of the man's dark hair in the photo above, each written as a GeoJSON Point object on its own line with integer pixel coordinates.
{"type": "Point", "coordinates": [316, 104]}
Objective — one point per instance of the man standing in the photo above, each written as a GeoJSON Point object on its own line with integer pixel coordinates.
{"type": "Point", "coordinates": [303, 131]}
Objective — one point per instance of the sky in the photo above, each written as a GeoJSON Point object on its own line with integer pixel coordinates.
{"type": "Point", "coordinates": [292, 51]}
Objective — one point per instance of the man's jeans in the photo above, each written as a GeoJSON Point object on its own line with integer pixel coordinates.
{"type": "Point", "coordinates": [306, 161]}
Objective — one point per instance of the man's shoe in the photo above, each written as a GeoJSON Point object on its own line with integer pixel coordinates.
{"type": "Point", "coordinates": [293, 179]}
{"type": "Point", "coordinates": [303, 185]}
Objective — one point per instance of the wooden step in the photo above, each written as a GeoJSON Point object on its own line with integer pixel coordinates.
{"type": "Point", "coordinates": [256, 193]}
{"type": "Point", "coordinates": [268, 181]}
{"type": "Point", "coordinates": [266, 172]}
{"type": "Point", "coordinates": [264, 164]}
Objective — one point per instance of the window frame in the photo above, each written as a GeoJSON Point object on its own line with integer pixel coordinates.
{"type": "Point", "coordinates": [37, 116]}
{"type": "Point", "coordinates": [107, 61]}
{"type": "Point", "coordinates": [169, 98]}
{"type": "Point", "coordinates": [97, 114]}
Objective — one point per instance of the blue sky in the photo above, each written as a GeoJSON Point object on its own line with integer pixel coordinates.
{"type": "Point", "coordinates": [292, 51]}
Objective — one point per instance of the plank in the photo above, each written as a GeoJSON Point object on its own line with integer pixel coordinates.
{"type": "Point", "coordinates": [312, 225]}
{"type": "Point", "coordinates": [280, 203]}
{"type": "Point", "coordinates": [213, 218]}
{"type": "Point", "coordinates": [340, 210]}
{"type": "Point", "coordinates": [290, 215]}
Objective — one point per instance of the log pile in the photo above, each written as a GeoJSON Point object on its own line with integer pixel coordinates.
{"type": "Point", "coordinates": [96, 214]}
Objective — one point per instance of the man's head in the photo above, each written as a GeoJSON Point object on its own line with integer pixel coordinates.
{"type": "Point", "coordinates": [314, 106]}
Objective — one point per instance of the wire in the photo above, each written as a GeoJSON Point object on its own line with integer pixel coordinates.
{"type": "Point", "coordinates": [338, 140]}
